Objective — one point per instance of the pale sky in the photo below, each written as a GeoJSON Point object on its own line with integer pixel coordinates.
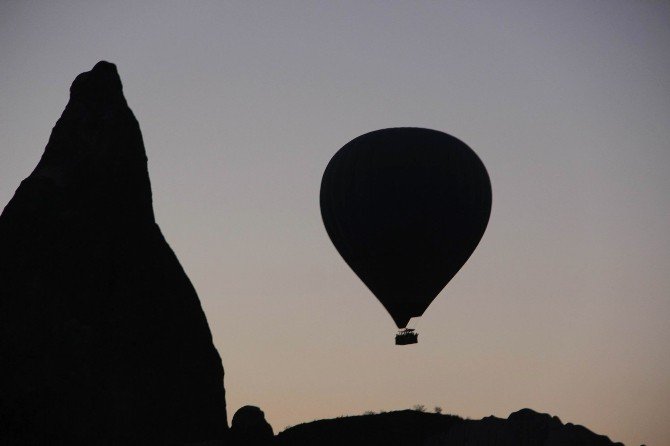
{"type": "Point", "coordinates": [565, 305]}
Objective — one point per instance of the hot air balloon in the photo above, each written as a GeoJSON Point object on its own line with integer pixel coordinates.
{"type": "Point", "coordinates": [405, 208]}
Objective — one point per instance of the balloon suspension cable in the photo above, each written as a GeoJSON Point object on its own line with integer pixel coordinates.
{"type": "Point", "coordinates": [413, 323]}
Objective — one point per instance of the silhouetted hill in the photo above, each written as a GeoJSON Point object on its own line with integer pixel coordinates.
{"type": "Point", "coordinates": [413, 428]}
{"type": "Point", "coordinates": [390, 428]}
{"type": "Point", "coordinates": [102, 336]}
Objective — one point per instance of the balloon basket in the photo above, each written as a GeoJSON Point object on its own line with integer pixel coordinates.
{"type": "Point", "coordinates": [406, 336]}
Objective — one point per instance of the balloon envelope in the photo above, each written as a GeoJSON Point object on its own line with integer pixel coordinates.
{"type": "Point", "coordinates": [405, 208]}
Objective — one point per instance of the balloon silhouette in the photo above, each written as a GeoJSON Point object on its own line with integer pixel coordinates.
{"type": "Point", "coordinates": [405, 208]}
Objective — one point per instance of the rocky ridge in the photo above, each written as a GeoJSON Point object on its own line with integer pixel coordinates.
{"type": "Point", "coordinates": [413, 428]}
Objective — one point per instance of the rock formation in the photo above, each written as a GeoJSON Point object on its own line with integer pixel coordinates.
{"type": "Point", "coordinates": [412, 428]}
{"type": "Point", "coordinates": [524, 427]}
{"type": "Point", "coordinates": [102, 336]}
{"type": "Point", "coordinates": [249, 428]}
{"type": "Point", "coordinates": [398, 428]}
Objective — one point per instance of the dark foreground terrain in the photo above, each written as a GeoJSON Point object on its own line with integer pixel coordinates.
{"type": "Point", "coordinates": [412, 428]}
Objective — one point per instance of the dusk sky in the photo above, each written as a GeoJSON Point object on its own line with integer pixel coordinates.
{"type": "Point", "coordinates": [565, 305]}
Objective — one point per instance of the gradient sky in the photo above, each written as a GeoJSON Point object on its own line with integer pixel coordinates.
{"type": "Point", "coordinates": [565, 305]}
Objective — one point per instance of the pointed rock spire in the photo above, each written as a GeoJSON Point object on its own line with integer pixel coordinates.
{"type": "Point", "coordinates": [102, 336]}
